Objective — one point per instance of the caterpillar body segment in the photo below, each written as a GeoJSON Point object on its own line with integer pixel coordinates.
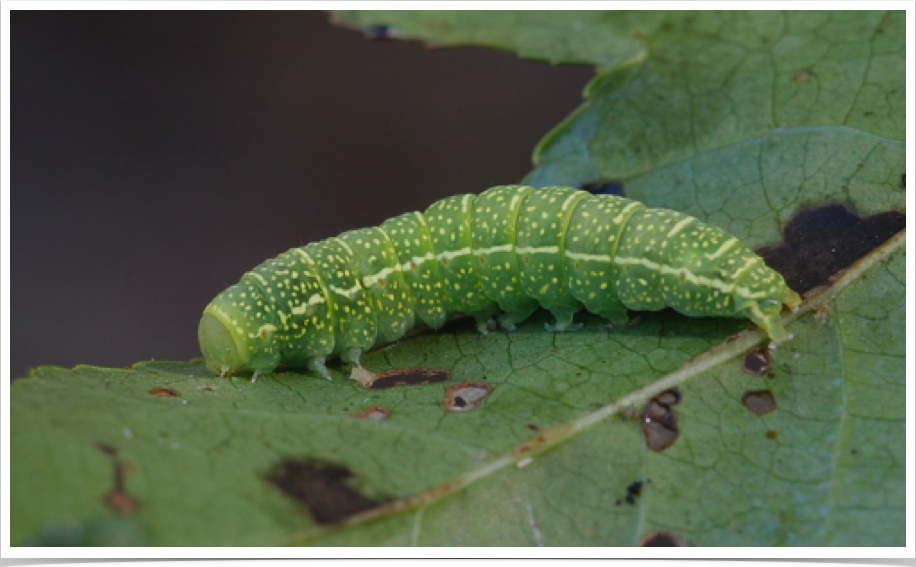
{"type": "Point", "coordinates": [500, 255]}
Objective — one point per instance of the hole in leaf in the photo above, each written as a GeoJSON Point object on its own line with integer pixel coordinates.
{"type": "Point", "coordinates": [466, 396]}
{"type": "Point", "coordinates": [757, 362]}
{"type": "Point", "coordinates": [659, 424]}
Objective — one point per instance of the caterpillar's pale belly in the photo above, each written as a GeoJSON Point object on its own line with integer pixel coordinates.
{"type": "Point", "coordinates": [501, 254]}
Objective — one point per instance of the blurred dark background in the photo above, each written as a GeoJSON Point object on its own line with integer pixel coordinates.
{"type": "Point", "coordinates": [156, 156]}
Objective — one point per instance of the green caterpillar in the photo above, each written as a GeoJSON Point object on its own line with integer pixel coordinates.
{"type": "Point", "coordinates": [499, 255]}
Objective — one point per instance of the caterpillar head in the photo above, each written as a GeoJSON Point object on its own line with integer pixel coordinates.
{"type": "Point", "coordinates": [237, 333]}
{"type": "Point", "coordinates": [761, 297]}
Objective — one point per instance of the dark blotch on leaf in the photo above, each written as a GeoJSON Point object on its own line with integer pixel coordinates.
{"type": "Point", "coordinates": [818, 243]}
{"type": "Point", "coordinates": [533, 427]}
{"type": "Point", "coordinates": [633, 491]}
{"type": "Point", "coordinates": [661, 539]}
{"type": "Point", "coordinates": [757, 362]}
{"type": "Point", "coordinates": [659, 424]}
{"type": "Point", "coordinates": [760, 402]}
{"type": "Point", "coordinates": [604, 188]}
{"type": "Point", "coordinates": [772, 435]}
{"type": "Point", "coordinates": [408, 377]}
{"type": "Point", "coordinates": [322, 488]}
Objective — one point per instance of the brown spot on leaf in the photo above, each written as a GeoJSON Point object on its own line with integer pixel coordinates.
{"type": "Point", "coordinates": [801, 78]}
{"type": "Point", "coordinates": [661, 539]}
{"type": "Point", "coordinates": [819, 243]}
{"type": "Point", "coordinates": [375, 413]}
{"type": "Point", "coordinates": [466, 396]}
{"type": "Point", "coordinates": [761, 402]}
{"type": "Point", "coordinates": [533, 427]}
{"type": "Point", "coordinates": [399, 377]}
{"type": "Point", "coordinates": [107, 449]}
{"type": "Point", "coordinates": [757, 362]}
{"type": "Point", "coordinates": [822, 313]}
{"type": "Point", "coordinates": [772, 435]}
{"type": "Point", "coordinates": [323, 489]}
{"type": "Point", "coordinates": [163, 392]}
{"type": "Point", "coordinates": [120, 503]}
{"type": "Point", "coordinates": [117, 499]}
{"type": "Point", "coordinates": [542, 440]}
{"type": "Point", "coordinates": [659, 424]}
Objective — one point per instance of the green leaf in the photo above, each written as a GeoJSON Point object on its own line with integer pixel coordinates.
{"type": "Point", "coordinates": [602, 38]}
{"type": "Point", "coordinates": [740, 119]}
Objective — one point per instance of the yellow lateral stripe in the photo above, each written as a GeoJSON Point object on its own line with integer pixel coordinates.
{"type": "Point", "coordinates": [718, 284]}
{"type": "Point", "coordinates": [536, 250]}
{"type": "Point", "coordinates": [588, 257]}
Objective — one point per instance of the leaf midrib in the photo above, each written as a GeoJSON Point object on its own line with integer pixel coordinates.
{"type": "Point", "coordinates": [714, 357]}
